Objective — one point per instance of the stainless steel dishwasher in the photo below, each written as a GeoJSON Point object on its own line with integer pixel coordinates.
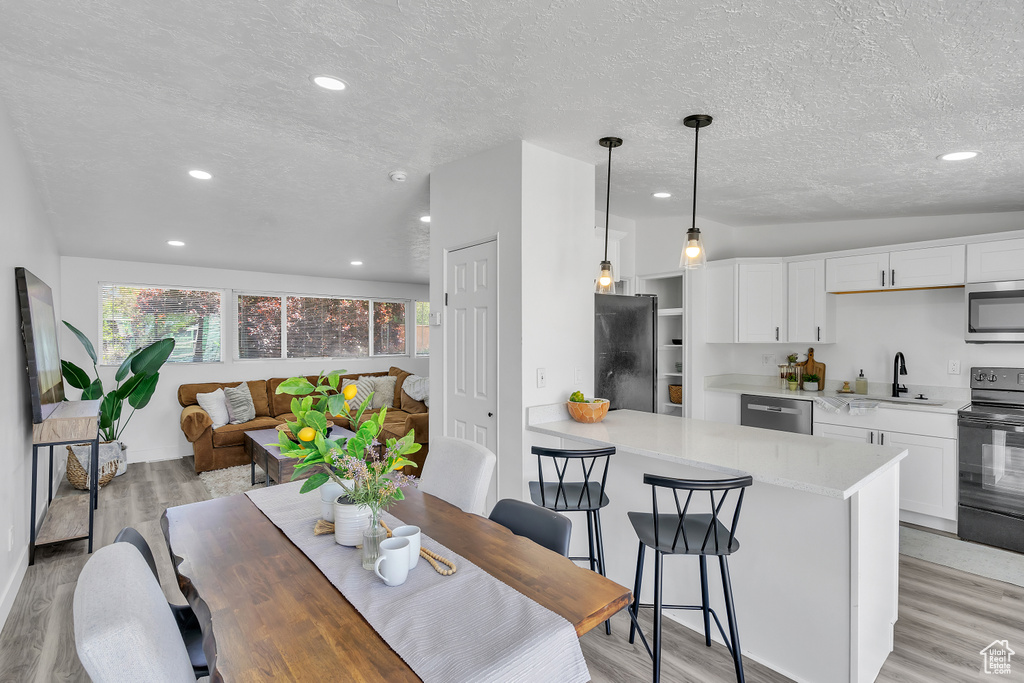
{"type": "Point", "coordinates": [780, 414]}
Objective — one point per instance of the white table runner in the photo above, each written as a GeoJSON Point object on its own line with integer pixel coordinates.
{"type": "Point", "coordinates": [469, 627]}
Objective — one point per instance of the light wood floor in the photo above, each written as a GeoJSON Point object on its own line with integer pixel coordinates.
{"type": "Point", "coordinates": [946, 616]}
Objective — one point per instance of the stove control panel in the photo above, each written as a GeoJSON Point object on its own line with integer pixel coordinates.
{"type": "Point", "coordinates": [1009, 379]}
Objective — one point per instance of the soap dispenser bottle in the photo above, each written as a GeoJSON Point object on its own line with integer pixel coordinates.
{"type": "Point", "coordinates": [862, 384]}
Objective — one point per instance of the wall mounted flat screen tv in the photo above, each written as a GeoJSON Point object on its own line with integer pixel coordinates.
{"type": "Point", "coordinates": [39, 330]}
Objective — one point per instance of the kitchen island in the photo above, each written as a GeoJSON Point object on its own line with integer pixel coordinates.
{"type": "Point", "coordinates": [816, 576]}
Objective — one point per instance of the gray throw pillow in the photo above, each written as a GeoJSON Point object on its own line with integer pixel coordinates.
{"type": "Point", "coordinates": [383, 391]}
{"type": "Point", "coordinates": [215, 404]}
{"type": "Point", "coordinates": [240, 405]}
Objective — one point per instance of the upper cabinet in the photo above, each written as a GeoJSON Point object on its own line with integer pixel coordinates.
{"type": "Point", "coordinates": [857, 273]}
{"type": "Point", "coordinates": [995, 261]}
{"type": "Point", "coordinates": [811, 311]}
{"type": "Point", "coordinates": [909, 269]}
{"type": "Point", "coordinates": [761, 302]}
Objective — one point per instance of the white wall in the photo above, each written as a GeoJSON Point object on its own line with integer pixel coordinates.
{"type": "Point", "coordinates": [154, 432]}
{"type": "Point", "coordinates": [659, 242]}
{"type": "Point", "coordinates": [540, 207]}
{"type": "Point", "coordinates": [27, 241]}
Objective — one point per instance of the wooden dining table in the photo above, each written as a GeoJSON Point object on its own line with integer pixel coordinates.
{"type": "Point", "coordinates": [268, 613]}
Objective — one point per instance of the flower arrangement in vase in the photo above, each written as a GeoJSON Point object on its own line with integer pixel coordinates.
{"type": "Point", "coordinates": [365, 468]}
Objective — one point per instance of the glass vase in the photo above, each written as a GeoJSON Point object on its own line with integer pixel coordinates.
{"type": "Point", "coordinates": [372, 537]}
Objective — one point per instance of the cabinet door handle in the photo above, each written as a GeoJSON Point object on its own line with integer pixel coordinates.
{"type": "Point", "coordinates": [883, 278]}
{"type": "Point", "coordinates": [819, 334]}
{"type": "Point", "coordinates": [892, 277]}
{"type": "Point", "coordinates": [881, 438]}
{"type": "Point", "coordinates": [776, 334]}
{"type": "Point", "coordinates": [871, 437]}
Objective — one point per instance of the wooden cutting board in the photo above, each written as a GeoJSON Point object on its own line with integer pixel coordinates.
{"type": "Point", "coordinates": [813, 367]}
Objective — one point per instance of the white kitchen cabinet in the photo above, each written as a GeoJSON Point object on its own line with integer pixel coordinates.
{"type": "Point", "coordinates": [720, 303]}
{"type": "Point", "coordinates": [995, 261]}
{"type": "Point", "coordinates": [857, 273]}
{"type": "Point", "coordinates": [844, 433]}
{"type": "Point", "coordinates": [761, 302]}
{"type": "Point", "coordinates": [811, 310]}
{"type": "Point", "coordinates": [931, 267]}
{"type": "Point", "coordinates": [721, 406]}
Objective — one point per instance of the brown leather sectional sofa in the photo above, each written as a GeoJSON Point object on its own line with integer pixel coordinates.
{"type": "Point", "coordinates": [216, 449]}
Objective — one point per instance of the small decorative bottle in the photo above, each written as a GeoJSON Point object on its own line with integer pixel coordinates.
{"type": "Point", "coordinates": [862, 384]}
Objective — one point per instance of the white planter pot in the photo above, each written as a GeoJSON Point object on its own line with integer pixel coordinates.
{"type": "Point", "coordinates": [811, 386]}
{"type": "Point", "coordinates": [350, 521]}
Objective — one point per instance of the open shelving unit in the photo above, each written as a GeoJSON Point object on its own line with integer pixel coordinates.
{"type": "Point", "coordinates": [670, 289]}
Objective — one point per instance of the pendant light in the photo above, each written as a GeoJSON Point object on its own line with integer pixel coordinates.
{"type": "Point", "coordinates": [606, 278]}
{"type": "Point", "coordinates": [693, 255]}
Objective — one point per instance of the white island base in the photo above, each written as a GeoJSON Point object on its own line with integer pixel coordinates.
{"type": "Point", "coordinates": [815, 578]}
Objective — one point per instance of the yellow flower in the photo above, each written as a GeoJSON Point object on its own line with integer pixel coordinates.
{"type": "Point", "coordinates": [349, 392]}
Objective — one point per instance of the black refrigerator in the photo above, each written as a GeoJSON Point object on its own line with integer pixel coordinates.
{"type": "Point", "coordinates": [625, 350]}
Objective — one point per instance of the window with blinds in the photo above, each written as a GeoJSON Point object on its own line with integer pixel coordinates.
{"type": "Point", "coordinates": [134, 317]}
{"type": "Point", "coordinates": [259, 326]}
{"type": "Point", "coordinates": [422, 328]}
{"type": "Point", "coordinates": [319, 327]}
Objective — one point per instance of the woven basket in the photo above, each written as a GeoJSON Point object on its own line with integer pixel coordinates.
{"type": "Point", "coordinates": [78, 476]}
{"type": "Point", "coordinates": [288, 432]}
{"type": "Point", "coordinates": [675, 393]}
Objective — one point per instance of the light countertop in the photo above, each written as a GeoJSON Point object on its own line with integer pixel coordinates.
{"type": "Point", "coordinates": [826, 467]}
{"type": "Point", "coordinates": [950, 400]}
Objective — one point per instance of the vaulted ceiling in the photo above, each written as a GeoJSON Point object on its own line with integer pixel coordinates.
{"type": "Point", "coordinates": [824, 110]}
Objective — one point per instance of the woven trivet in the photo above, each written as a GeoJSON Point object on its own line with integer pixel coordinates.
{"type": "Point", "coordinates": [324, 527]}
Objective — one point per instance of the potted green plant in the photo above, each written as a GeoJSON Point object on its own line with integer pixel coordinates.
{"type": "Point", "coordinates": [811, 382]}
{"type": "Point", "coordinates": [792, 382]}
{"type": "Point", "coordinates": [135, 382]}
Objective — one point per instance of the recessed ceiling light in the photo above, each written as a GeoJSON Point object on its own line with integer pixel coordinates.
{"type": "Point", "coordinates": [199, 175]}
{"type": "Point", "coordinates": [356, 263]}
{"type": "Point", "coordinates": [957, 156]}
{"type": "Point", "coordinates": [661, 195]}
{"type": "Point", "coordinates": [329, 82]}
{"type": "Point", "coordinates": [425, 219]}
{"type": "Point", "coordinates": [176, 243]}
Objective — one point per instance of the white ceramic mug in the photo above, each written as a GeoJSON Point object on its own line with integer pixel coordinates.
{"type": "Point", "coordinates": [394, 560]}
{"type": "Point", "coordinates": [413, 534]}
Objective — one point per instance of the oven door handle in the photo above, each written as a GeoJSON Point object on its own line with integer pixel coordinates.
{"type": "Point", "coordinates": [990, 424]}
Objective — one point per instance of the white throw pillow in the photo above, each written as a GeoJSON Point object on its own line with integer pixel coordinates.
{"type": "Point", "coordinates": [216, 404]}
{"type": "Point", "coordinates": [364, 387]}
{"type": "Point", "coordinates": [383, 391]}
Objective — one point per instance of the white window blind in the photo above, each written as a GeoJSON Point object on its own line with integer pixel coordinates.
{"type": "Point", "coordinates": [389, 328]}
{"type": "Point", "coordinates": [259, 326]}
{"type": "Point", "coordinates": [322, 327]}
{"type": "Point", "coordinates": [134, 317]}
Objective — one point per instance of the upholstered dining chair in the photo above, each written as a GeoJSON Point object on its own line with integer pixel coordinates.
{"type": "Point", "coordinates": [124, 629]}
{"type": "Point", "coordinates": [184, 617]}
{"type": "Point", "coordinates": [458, 471]}
{"type": "Point", "coordinates": [542, 526]}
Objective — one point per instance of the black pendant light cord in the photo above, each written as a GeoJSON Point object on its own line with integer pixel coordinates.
{"type": "Point", "coordinates": [607, 202]}
{"type": "Point", "coordinates": [696, 147]}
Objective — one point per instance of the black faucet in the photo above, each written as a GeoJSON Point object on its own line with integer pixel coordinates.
{"type": "Point", "coordinates": [899, 367]}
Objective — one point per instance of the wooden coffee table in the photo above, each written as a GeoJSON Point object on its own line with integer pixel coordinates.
{"type": "Point", "coordinates": [278, 468]}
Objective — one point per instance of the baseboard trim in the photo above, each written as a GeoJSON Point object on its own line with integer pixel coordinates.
{"type": "Point", "coordinates": [11, 589]}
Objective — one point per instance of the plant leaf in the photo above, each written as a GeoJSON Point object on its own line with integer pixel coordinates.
{"type": "Point", "coordinates": [336, 404]}
{"type": "Point", "coordinates": [294, 428]}
{"type": "Point", "coordinates": [76, 376]}
{"type": "Point", "coordinates": [128, 387]}
{"type": "Point", "coordinates": [316, 420]}
{"type": "Point", "coordinates": [93, 391]}
{"type": "Point", "coordinates": [321, 406]}
{"type": "Point", "coordinates": [306, 403]}
{"type": "Point", "coordinates": [314, 482]}
{"type": "Point", "coordinates": [85, 341]}
{"type": "Point", "coordinates": [333, 378]}
{"type": "Point", "coordinates": [150, 359]}
{"type": "Point", "coordinates": [296, 386]}
{"type": "Point", "coordinates": [110, 410]}
{"type": "Point", "coordinates": [126, 366]}
{"type": "Point", "coordinates": [147, 387]}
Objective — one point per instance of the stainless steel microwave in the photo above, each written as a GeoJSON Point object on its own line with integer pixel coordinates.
{"type": "Point", "coordinates": [995, 312]}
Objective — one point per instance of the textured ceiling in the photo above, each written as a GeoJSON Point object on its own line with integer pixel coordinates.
{"type": "Point", "coordinates": [823, 110]}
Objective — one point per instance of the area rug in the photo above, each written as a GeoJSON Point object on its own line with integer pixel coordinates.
{"type": "Point", "coordinates": [230, 480]}
{"type": "Point", "coordinates": [973, 558]}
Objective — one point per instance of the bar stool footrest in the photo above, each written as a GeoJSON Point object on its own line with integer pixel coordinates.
{"type": "Point", "coordinates": [697, 608]}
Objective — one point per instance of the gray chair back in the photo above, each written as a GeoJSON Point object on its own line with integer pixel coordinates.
{"type": "Point", "coordinates": [458, 471]}
{"type": "Point", "coordinates": [124, 629]}
{"type": "Point", "coordinates": [540, 525]}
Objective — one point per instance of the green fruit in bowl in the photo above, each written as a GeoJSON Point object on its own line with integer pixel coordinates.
{"type": "Point", "coordinates": [577, 397]}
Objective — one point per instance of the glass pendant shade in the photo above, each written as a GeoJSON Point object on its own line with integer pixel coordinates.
{"type": "Point", "coordinates": [693, 255]}
{"type": "Point", "coordinates": [605, 279]}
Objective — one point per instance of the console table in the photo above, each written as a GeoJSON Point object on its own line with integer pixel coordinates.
{"type": "Point", "coordinates": [71, 422]}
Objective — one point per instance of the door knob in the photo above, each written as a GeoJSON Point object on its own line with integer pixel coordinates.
{"type": "Point", "coordinates": [490, 414]}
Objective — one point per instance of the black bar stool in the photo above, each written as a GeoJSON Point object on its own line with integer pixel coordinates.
{"type": "Point", "coordinates": [576, 496]}
{"type": "Point", "coordinates": [687, 533]}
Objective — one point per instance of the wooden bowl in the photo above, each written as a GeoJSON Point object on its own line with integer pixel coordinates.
{"type": "Point", "coordinates": [589, 413]}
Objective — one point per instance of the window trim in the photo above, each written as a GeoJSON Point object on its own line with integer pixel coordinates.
{"type": "Point", "coordinates": [140, 285]}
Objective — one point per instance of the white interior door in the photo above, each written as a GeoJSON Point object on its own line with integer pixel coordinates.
{"type": "Point", "coordinates": [471, 348]}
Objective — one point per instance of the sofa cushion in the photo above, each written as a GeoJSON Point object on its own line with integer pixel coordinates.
{"type": "Point", "coordinates": [384, 392]}
{"type": "Point", "coordinates": [240, 404]}
{"type": "Point", "coordinates": [234, 435]}
{"type": "Point", "coordinates": [412, 406]}
{"type": "Point", "coordinates": [401, 375]}
{"type": "Point", "coordinates": [257, 388]}
{"type": "Point", "coordinates": [216, 406]}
